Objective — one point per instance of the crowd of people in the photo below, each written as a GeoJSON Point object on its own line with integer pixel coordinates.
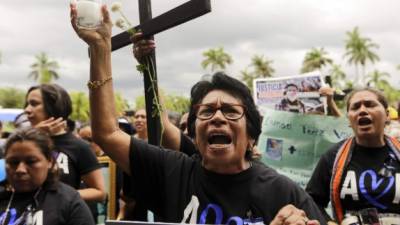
{"type": "Point", "coordinates": [206, 171]}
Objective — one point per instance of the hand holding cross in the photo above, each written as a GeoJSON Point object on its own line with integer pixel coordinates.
{"type": "Point", "coordinates": [142, 47]}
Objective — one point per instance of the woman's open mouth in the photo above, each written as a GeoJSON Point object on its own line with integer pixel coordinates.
{"type": "Point", "coordinates": [219, 140]}
{"type": "Point", "coordinates": [364, 121]}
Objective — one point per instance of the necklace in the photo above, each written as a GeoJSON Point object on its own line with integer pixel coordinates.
{"type": "Point", "coordinates": [8, 208]}
{"type": "Point", "coordinates": [12, 198]}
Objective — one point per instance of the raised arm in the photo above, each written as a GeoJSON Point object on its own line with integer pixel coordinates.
{"type": "Point", "coordinates": [332, 107]}
{"type": "Point", "coordinates": [113, 141]}
{"type": "Point", "coordinates": [171, 136]}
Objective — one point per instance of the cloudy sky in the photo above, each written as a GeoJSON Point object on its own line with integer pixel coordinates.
{"type": "Point", "coordinates": [281, 30]}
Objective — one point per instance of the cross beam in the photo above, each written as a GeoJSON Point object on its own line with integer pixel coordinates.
{"type": "Point", "coordinates": [187, 11]}
{"type": "Point", "coordinates": [181, 14]}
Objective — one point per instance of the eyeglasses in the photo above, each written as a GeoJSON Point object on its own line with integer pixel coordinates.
{"type": "Point", "coordinates": [230, 111]}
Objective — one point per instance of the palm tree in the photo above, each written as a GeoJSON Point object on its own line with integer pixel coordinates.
{"type": "Point", "coordinates": [315, 60]}
{"type": "Point", "coordinates": [44, 69]}
{"type": "Point", "coordinates": [376, 78]}
{"type": "Point", "coordinates": [337, 75]}
{"type": "Point", "coordinates": [216, 58]}
{"type": "Point", "coordinates": [358, 51]}
{"type": "Point", "coordinates": [247, 77]}
{"type": "Point", "coordinates": [349, 85]}
{"type": "Point", "coordinates": [261, 68]}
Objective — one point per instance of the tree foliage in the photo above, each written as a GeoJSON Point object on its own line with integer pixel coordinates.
{"type": "Point", "coordinates": [392, 94]}
{"type": "Point", "coordinates": [171, 102]}
{"type": "Point", "coordinates": [315, 59]}
{"type": "Point", "coordinates": [44, 70]}
{"type": "Point", "coordinates": [359, 50]}
{"type": "Point", "coordinates": [377, 78]}
{"type": "Point", "coordinates": [12, 97]}
{"type": "Point", "coordinates": [260, 67]}
{"type": "Point", "coordinates": [81, 107]}
{"type": "Point", "coordinates": [121, 104]}
{"type": "Point", "coordinates": [216, 58]}
{"type": "Point", "coordinates": [338, 76]}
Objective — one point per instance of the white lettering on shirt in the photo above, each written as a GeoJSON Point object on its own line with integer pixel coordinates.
{"type": "Point", "coordinates": [191, 209]}
{"type": "Point", "coordinates": [396, 199]}
{"type": "Point", "coordinates": [62, 161]}
{"type": "Point", "coordinates": [38, 218]}
{"type": "Point", "coordinates": [349, 186]}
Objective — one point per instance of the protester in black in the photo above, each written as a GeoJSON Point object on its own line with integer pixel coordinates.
{"type": "Point", "coordinates": [225, 124]}
{"type": "Point", "coordinates": [48, 107]}
{"type": "Point", "coordinates": [35, 195]}
{"type": "Point", "coordinates": [363, 171]}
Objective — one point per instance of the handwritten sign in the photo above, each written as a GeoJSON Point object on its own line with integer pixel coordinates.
{"type": "Point", "coordinates": [292, 143]}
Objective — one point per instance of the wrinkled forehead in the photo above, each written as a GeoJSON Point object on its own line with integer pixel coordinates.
{"type": "Point", "coordinates": [23, 148]}
{"type": "Point", "coordinates": [218, 96]}
{"type": "Point", "coordinates": [363, 96]}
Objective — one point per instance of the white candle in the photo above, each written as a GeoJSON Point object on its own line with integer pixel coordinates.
{"type": "Point", "coordinates": [89, 14]}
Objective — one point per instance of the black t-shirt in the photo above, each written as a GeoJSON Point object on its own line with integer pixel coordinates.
{"type": "Point", "coordinates": [361, 185]}
{"type": "Point", "coordinates": [74, 158]}
{"type": "Point", "coordinates": [170, 182]}
{"type": "Point", "coordinates": [187, 146]}
{"type": "Point", "coordinates": [56, 204]}
{"type": "Point", "coordinates": [139, 212]}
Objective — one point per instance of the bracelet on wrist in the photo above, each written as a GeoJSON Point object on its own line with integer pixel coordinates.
{"type": "Point", "coordinates": [94, 84]}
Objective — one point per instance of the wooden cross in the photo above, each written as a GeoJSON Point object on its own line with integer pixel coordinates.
{"type": "Point", "coordinates": [181, 14]}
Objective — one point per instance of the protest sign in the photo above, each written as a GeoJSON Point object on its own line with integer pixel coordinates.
{"type": "Point", "coordinates": [292, 143]}
{"type": "Point", "coordinates": [294, 94]}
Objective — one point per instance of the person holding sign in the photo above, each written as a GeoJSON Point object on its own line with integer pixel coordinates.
{"type": "Point", "coordinates": [360, 176]}
{"type": "Point", "coordinates": [36, 196]}
{"type": "Point", "coordinates": [223, 185]}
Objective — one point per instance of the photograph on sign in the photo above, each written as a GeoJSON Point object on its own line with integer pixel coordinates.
{"type": "Point", "coordinates": [298, 94]}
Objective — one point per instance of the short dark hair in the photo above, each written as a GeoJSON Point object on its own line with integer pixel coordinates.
{"type": "Point", "coordinates": [56, 100]}
{"type": "Point", "coordinates": [223, 82]}
{"type": "Point", "coordinates": [380, 96]}
{"type": "Point", "coordinates": [291, 85]}
{"type": "Point", "coordinates": [43, 141]}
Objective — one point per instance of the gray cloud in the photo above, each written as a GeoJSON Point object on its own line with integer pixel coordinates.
{"type": "Point", "coordinates": [281, 30]}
